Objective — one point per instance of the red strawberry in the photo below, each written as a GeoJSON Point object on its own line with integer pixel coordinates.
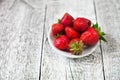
{"type": "Point", "coordinates": [81, 24]}
{"type": "Point", "coordinates": [90, 37]}
{"type": "Point", "coordinates": [57, 29]}
{"type": "Point", "coordinates": [71, 33]}
{"type": "Point", "coordinates": [61, 42]}
{"type": "Point", "coordinates": [76, 46]}
{"type": "Point", "coordinates": [67, 20]}
{"type": "Point", "coordinates": [86, 20]}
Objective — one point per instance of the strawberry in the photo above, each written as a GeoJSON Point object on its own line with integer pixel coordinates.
{"type": "Point", "coordinates": [57, 29]}
{"type": "Point", "coordinates": [92, 35]}
{"type": "Point", "coordinates": [76, 46]}
{"type": "Point", "coordinates": [71, 33]}
{"type": "Point", "coordinates": [61, 42]}
{"type": "Point", "coordinates": [86, 20]}
{"type": "Point", "coordinates": [67, 20]}
{"type": "Point", "coordinates": [81, 24]}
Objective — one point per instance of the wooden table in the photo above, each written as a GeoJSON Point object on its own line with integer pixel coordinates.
{"type": "Point", "coordinates": [25, 53]}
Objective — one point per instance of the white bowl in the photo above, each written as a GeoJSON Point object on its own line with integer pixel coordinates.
{"type": "Point", "coordinates": [85, 52]}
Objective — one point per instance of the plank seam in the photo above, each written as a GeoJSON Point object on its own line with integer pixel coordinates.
{"type": "Point", "coordinates": [102, 61]}
{"type": "Point", "coordinates": [42, 42]}
{"type": "Point", "coordinates": [66, 73]}
{"type": "Point", "coordinates": [100, 42]}
{"type": "Point", "coordinates": [71, 71]}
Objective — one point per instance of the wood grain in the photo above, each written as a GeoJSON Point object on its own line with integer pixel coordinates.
{"type": "Point", "coordinates": [25, 53]}
{"type": "Point", "coordinates": [21, 30]}
{"type": "Point", "coordinates": [35, 3]}
{"type": "Point", "coordinates": [108, 13]}
{"type": "Point", "coordinates": [57, 67]}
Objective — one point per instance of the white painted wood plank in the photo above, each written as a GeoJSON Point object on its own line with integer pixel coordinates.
{"type": "Point", "coordinates": [6, 4]}
{"type": "Point", "coordinates": [35, 3]}
{"type": "Point", "coordinates": [57, 67]}
{"type": "Point", "coordinates": [108, 13]}
{"type": "Point", "coordinates": [21, 30]}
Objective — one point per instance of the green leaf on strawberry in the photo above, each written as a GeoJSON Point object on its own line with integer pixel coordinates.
{"type": "Point", "coordinates": [76, 46]}
{"type": "Point", "coordinates": [59, 34]}
{"type": "Point", "coordinates": [101, 34]}
{"type": "Point", "coordinates": [58, 21]}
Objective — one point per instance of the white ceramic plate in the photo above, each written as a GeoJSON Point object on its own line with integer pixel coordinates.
{"type": "Point", "coordinates": [85, 52]}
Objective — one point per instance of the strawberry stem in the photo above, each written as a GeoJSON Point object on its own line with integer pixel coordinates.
{"type": "Point", "coordinates": [59, 34]}
{"type": "Point", "coordinates": [101, 34]}
{"type": "Point", "coordinates": [77, 47]}
{"type": "Point", "coordinates": [58, 21]}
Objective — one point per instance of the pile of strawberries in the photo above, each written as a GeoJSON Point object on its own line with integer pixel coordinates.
{"type": "Point", "coordinates": [73, 35]}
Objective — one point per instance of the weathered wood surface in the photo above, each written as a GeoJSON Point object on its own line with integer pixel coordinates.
{"type": "Point", "coordinates": [21, 28]}
{"type": "Point", "coordinates": [25, 53]}
{"type": "Point", "coordinates": [56, 67]}
{"type": "Point", "coordinates": [108, 13]}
